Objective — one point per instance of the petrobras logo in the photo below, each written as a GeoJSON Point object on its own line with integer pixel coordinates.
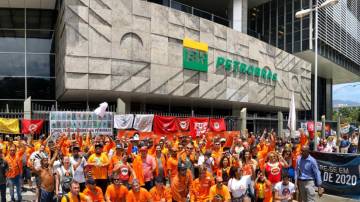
{"type": "Point", "coordinates": [195, 55]}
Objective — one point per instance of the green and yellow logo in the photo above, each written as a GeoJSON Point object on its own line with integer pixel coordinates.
{"type": "Point", "coordinates": [195, 55]}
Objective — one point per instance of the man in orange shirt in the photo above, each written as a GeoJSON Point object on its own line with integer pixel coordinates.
{"type": "Point", "coordinates": [160, 193]}
{"type": "Point", "coordinates": [160, 163]}
{"type": "Point", "coordinates": [74, 195]}
{"type": "Point", "coordinates": [15, 170]}
{"type": "Point", "coordinates": [99, 164]}
{"type": "Point", "coordinates": [116, 192]}
{"type": "Point", "coordinates": [181, 183]}
{"type": "Point", "coordinates": [172, 164]}
{"type": "Point", "coordinates": [219, 189]}
{"type": "Point", "coordinates": [138, 194]}
{"type": "Point", "coordinates": [200, 189]}
{"type": "Point", "coordinates": [93, 192]}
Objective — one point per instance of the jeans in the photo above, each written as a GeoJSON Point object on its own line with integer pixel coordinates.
{"type": "Point", "coordinates": [3, 192]}
{"type": "Point", "coordinates": [16, 181]}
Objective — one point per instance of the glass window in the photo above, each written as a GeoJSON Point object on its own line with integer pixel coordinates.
{"type": "Point", "coordinates": [305, 45]}
{"type": "Point", "coordinates": [296, 25]}
{"type": "Point", "coordinates": [289, 47]}
{"type": "Point", "coordinates": [41, 88]}
{"type": "Point", "coordinates": [297, 36]}
{"type": "Point", "coordinates": [297, 5]}
{"type": "Point", "coordinates": [297, 47]}
{"type": "Point", "coordinates": [288, 38]}
{"type": "Point", "coordinates": [305, 22]}
{"type": "Point", "coordinates": [305, 34]}
{"type": "Point", "coordinates": [12, 18]}
{"type": "Point", "coordinates": [12, 88]}
{"type": "Point", "coordinates": [12, 64]}
{"type": "Point", "coordinates": [40, 65]}
{"type": "Point", "coordinates": [40, 41]}
{"type": "Point", "coordinates": [12, 41]}
{"type": "Point", "coordinates": [40, 19]}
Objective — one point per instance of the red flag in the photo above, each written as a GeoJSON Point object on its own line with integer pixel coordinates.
{"type": "Point", "coordinates": [198, 126]}
{"type": "Point", "coordinates": [217, 125]}
{"type": "Point", "coordinates": [183, 123]}
{"type": "Point", "coordinates": [164, 124]}
{"type": "Point", "coordinates": [31, 126]}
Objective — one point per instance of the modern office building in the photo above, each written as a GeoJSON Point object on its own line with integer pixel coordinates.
{"type": "Point", "coordinates": [188, 57]}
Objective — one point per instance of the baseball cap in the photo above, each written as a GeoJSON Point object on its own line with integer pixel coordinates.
{"type": "Point", "coordinates": [90, 181]}
{"type": "Point", "coordinates": [136, 137]}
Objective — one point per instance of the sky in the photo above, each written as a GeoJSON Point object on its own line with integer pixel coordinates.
{"type": "Point", "coordinates": [348, 91]}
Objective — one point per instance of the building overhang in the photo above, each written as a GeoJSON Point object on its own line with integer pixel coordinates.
{"type": "Point", "coordinates": [328, 69]}
{"type": "Point", "coordinates": [38, 4]}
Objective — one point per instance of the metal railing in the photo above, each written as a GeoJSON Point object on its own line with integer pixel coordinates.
{"type": "Point", "coordinates": [195, 11]}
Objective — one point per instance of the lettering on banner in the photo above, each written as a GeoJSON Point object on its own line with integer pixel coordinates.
{"type": "Point", "coordinates": [337, 175]}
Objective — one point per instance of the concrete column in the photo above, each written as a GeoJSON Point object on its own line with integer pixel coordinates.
{"type": "Point", "coordinates": [338, 127]}
{"type": "Point", "coordinates": [243, 114]}
{"type": "Point", "coordinates": [329, 98]}
{"type": "Point", "coordinates": [280, 117]}
{"type": "Point", "coordinates": [27, 108]}
{"type": "Point", "coordinates": [323, 126]}
{"type": "Point", "coordinates": [238, 15]}
{"type": "Point", "coordinates": [122, 107]}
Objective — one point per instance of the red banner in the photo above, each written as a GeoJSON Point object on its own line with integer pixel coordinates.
{"type": "Point", "coordinates": [217, 125]}
{"type": "Point", "coordinates": [31, 126]}
{"type": "Point", "coordinates": [164, 124]}
{"type": "Point", "coordinates": [183, 124]}
{"type": "Point", "coordinates": [198, 126]}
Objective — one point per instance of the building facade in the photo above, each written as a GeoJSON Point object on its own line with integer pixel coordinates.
{"type": "Point", "coordinates": [188, 57]}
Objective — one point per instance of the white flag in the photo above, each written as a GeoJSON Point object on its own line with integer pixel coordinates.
{"type": "Point", "coordinates": [100, 111]}
{"type": "Point", "coordinates": [292, 114]}
{"type": "Point", "coordinates": [143, 122]}
{"type": "Point", "coordinates": [123, 121]}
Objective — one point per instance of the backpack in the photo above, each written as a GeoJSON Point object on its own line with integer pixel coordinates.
{"type": "Point", "coordinates": [66, 180]}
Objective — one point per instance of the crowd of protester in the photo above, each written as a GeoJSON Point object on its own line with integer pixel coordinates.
{"type": "Point", "coordinates": [75, 167]}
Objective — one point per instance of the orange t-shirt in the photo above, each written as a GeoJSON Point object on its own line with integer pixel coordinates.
{"type": "Point", "coordinates": [73, 198]}
{"type": "Point", "coordinates": [15, 164]}
{"type": "Point", "coordinates": [200, 189]}
{"type": "Point", "coordinates": [116, 193]}
{"type": "Point", "coordinates": [224, 192]}
{"type": "Point", "coordinates": [172, 164]}
{"type": "Point", "coordinates": [180, 186]}
{"type": "Point", "coordinates": [163, 162]}
{"type": "Point", "coordinates": [142, 196]}
{"type": "Point", "coordinates": [158, 195]}
{"type": "Point", "coordinates": [96, 196]}
{"type": "Point", "coordinates": [99, 172]}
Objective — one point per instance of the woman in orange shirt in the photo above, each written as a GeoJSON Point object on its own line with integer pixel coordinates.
{"type": "Point", "coordinates": [263, 188]}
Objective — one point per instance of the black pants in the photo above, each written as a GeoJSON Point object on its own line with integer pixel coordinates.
{"type": "Point", "coordinates": [102, 183]}
{"type": "Point", "coordinates": [3, 192]}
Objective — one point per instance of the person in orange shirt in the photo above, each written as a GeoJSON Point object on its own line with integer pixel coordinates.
{"type": "Point", "coordinates": [74, 195]}
{"type": "Point", "coordinates": [93, 191]}
{"type": "Point", "coordinates": [160, 193]}
{"type": "Point", "coordinates": [99, 164]}
{"type": "Point", "coordinates": [181, 183]}
{"type": "Point", "coordinates": [200, 188]}
{"type": "Point", "coordinates": [137, 193]}
{"type": "Point", "coordinates": [160, 160]}
{"type": "Point", "coordinates": [263, 188]}
{"type": "Point", "coordinates": [14, 160]}
{"type": "Point", "coordinates": [219, 189]}
{"type": "Point", "coordinates": [116, 192]}
{"type": "Point", "coordinates": [171, 164]}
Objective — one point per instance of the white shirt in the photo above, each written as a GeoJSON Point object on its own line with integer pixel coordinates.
{"type": "Point", "coordinates": [36, 158]}
{"type": "Point", "coordinates": [79, 172]}
{"type": "Point", "coordinates": [285, 190]}
{"type": "Point", "coordinates": [239, 187]}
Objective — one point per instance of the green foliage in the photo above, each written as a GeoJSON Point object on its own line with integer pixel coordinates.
{"type": "Point", "coordinates": [347, 114]}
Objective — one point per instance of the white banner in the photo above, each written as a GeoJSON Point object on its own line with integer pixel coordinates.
{"type": "Point", "coordinates": [123, 121]}
{"type": "Point", "coordinates": [84, 122]}
{"type": "Point", "coordinates": [143, 122]}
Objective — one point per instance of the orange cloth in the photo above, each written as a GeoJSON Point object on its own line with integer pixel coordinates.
{"type": "Point", "coordinates": [73, 198]}
{"type": "Point", "coordinates": [15, 164]}
{"type": "Point", "coordinates": [180, 186]}
{"type": "Point", "coordinates": [142, 196]}
{"type": "Point", "coordinates": [200, 189]}
{"type": "Point", "coordinates": [172, 164]}
{"type": "Point", "coordinates": [163, 193]}
{"type": "Point", "coordinates": [99, 172]}
{"type": "Point", "coordinates": [116, 193]}
{"type": "Point", "coordinates": [115, 160]}
{"type": "Point", "coordinates": [28, 152]}
{"type": "Point", "coordinates": [264, 190]}
{"type": "Point", "coordinates": [138, 169]}
{"type": "Point", "coordinates": [247, 169]}
{"type": "Point", "coordinates": [96, 196]}
{"type": "Point", "coordinates": [224, 192]}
